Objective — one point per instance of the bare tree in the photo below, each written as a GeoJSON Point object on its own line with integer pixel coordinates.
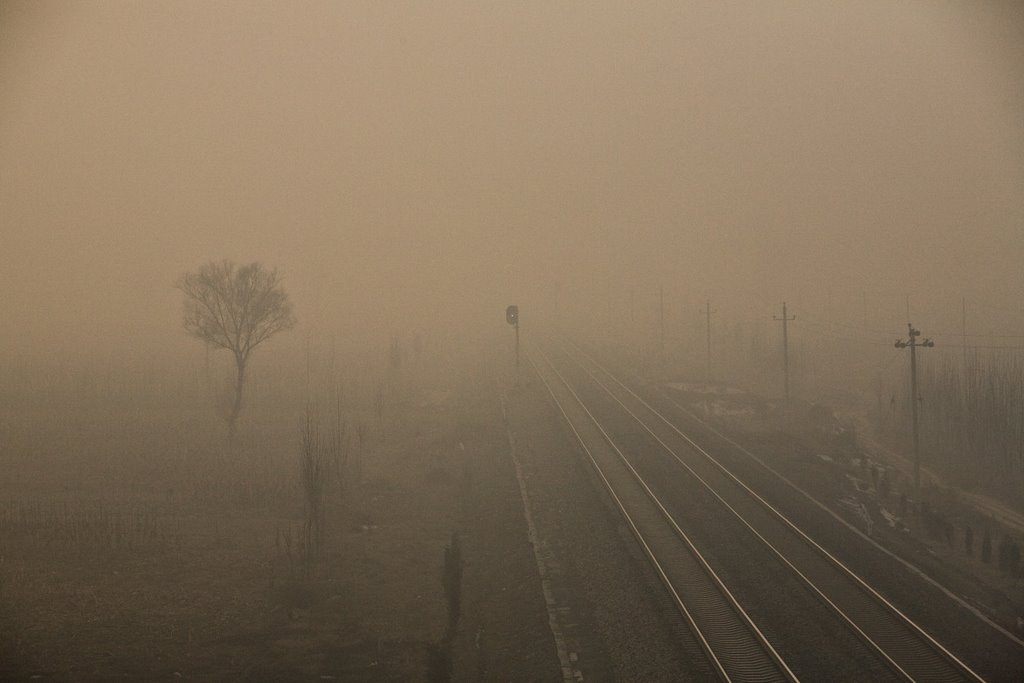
{"type": "Point", "coordinates": [315, 461]}
{"type": "Point", "coordinates": [235, 308]}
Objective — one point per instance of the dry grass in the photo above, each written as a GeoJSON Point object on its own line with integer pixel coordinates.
{"type": "Point", "coordinates": [132, 542]}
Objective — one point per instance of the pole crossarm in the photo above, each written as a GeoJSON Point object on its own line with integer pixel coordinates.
{"type": "Point", "coordinates": [912, 339]}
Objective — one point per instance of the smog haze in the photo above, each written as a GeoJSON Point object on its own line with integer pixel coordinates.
{"type": "Point", "coordinates": [406, 165]}
{"type": "Point", "coordinates": [449, 340]}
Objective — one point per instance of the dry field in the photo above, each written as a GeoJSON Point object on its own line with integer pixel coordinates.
{"type": "Point", "coordinates": [135, 545]}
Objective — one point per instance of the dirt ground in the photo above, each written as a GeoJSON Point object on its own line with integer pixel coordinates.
{"type": "Point", "coordinates": [167, 577]}
{"type": "Point", "coordinates": [130, 548]}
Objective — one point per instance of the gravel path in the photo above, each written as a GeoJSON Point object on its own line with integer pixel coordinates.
{"type": "Point", "coordinates": [612, 616]}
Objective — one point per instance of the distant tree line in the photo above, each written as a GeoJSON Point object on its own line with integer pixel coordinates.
{"type": "Point", "coordinates": [972, 421]}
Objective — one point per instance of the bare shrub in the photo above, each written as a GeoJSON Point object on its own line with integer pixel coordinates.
{"type": "Point", "coordinates": [440, 666]}
{"type": "Point", "coordinates": [452, 580]}
{"type": "Point", "coordinates": [439, 663]}
{"type": "Point", "coordinates": [972, 423]}
{"type": "Point", "coordinates": [314, 464]}
{"type": "Point", "coordinates": [357, 465]}
{"type": "Point", "coordinates": [338, 448]}
{"type": "Point", "coordinates": [322, 468]}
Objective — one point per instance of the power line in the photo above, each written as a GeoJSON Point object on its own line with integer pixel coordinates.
{"type": "Point", "coordinates": [848, 337]}
{"type": "Point", "coordinates": [860, 328]}
{"type": "Point", "coordinates": [988, 347]}
{"type": "Point", "coordinates": [826, 322]}
{"type": "Point", "coordinates": [984, 347]}
{"type": "Point", "coordinates": [989, 336]}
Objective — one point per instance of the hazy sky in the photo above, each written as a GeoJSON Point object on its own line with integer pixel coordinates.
{"type": "Point", "coordinates": [408, 161]}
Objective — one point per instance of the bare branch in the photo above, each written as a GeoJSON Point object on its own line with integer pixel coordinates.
{"type": "Point", "coordinates": [234, 308]}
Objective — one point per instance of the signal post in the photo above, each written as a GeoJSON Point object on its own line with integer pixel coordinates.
{"type": "Point", "coordinates": [512, 318]}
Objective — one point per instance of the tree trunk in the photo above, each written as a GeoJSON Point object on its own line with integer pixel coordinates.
{"type": "Point", "coordinates": [237, 407]}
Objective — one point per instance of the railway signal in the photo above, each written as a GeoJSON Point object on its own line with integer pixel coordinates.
{"type": "Point", "coordinates": [913, 344]}
{"type": "Point", "coordinates": [512, 318]}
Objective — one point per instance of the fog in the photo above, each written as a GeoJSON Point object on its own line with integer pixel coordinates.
{"type": "Point", "coordinates": [381, 492]}
{"type": "Point", "coordinates": [418, 166]}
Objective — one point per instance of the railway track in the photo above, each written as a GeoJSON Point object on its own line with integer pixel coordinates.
{"type": "Point", "coordinates": [648, 464]}
{"type": "Point", "coordinates": [736, 649]}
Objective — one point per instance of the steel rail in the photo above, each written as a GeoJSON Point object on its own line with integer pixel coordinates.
{"type": "Point", "coordinates": [853, 529]}
{"type": "Point", "coordinates": [722, 666]}
{"type": "Point", "coordinates": [958, 666]}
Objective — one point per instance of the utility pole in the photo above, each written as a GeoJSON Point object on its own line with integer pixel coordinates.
{"type": "Point", "coordinates": [707, 313]}
{"type": "Point", "coordinates": [558, 303]}
{"type": "Point", "coordinates": [828, 310]}
{"type": "Point", "coordinates": [785, 346]}
{"type": "Point", "coordinates": [661, 319]}
{"type": "Point", "coordinates": [913, 344]}
{"type": "Point", "coordinates": [963, 320]}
